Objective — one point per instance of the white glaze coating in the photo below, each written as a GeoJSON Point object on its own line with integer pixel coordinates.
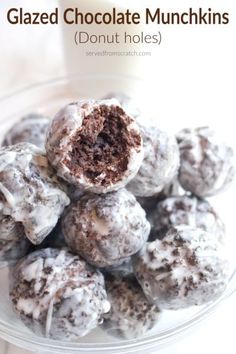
{"type": "Point", "coordinates": [126, 102]}
{"type": "Point", "coordinates": [131, 315]}
{"type": "Point", "coordinates": [31, 129]}
{"type": "Point", "coordinates": [105, 229]}
{"type": "Point", "coordinates": [160, 163]}
{"type": "Point", "coordinates": [57, 294]}
{"type": "Point", "coordinates": [66, 124]}
{"type": "Point", "coordinates": [170, 190]}
{"type": "Point", "coordinates": [185, 210]}
{"type": "Point", "coordinates": [33, 195]}
{"type": "Point", "coordinates": [207, 163]}
{"type": "Point", "coordinates": [188, 267]}
{"type": "Point", "coordinates": [13, 243]}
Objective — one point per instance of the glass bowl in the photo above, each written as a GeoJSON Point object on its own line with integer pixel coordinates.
{"type": "Point", "coordinates": [47, 98]}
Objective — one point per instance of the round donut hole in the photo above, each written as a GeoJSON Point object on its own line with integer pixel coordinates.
{"type": "Point", "coordinates": [101, 148]}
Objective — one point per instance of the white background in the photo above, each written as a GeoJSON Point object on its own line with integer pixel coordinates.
{"type": "Point", "coordinates": [191, 79]}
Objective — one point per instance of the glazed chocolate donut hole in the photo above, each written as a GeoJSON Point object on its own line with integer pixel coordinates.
{"type": "Point", "coordinates": [95, 145]}
{"type": "Point", "coordinates": [102, 147]}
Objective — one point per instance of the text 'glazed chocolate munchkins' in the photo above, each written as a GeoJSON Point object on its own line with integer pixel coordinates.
{"type": "Point", "coordinates": [95, 145]}
{"type": "Point", "coordinates": [30, 192]}
{"type": "Point", "coordinates": [57, 295]}
{"type": "Point", "coordinates": [188, 267]}
{"type": "Point", "coordinates": [105, 229]}
{"type": "Point", "coordinates": [207, 165]}
{"type": "Point", "coordinates": [131, 315]}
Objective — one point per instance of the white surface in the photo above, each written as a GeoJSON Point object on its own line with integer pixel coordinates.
{"type": "Point", "coordinates": [195, 82]}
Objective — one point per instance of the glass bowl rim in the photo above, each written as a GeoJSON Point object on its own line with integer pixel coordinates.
{"type": "Point", "coordinates": [64, 79]}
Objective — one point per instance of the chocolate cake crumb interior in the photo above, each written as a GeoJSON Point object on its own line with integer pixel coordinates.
{"type": "Point", "coordinates": [101, 148]}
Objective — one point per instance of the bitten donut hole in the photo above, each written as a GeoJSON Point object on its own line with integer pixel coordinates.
{"type": "Point", "coordinates": [101, 148]}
